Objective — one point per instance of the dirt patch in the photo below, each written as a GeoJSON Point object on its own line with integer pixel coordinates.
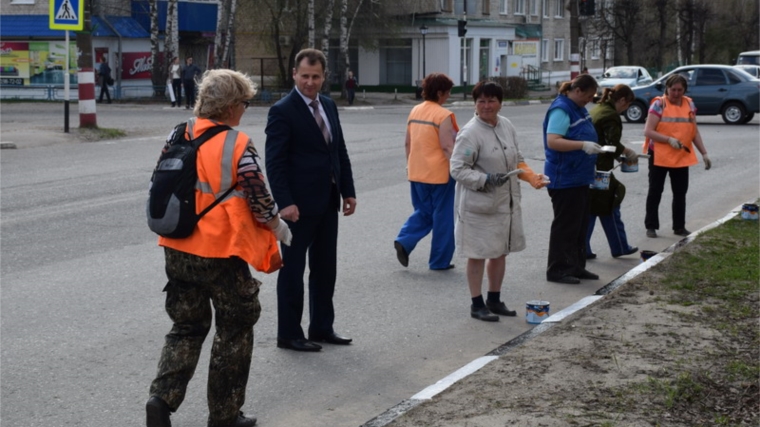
{"type": "Point", "coordinates": [656, 352]}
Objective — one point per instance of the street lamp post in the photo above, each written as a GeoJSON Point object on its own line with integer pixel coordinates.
{"type": "Point", "coordinates": [423, 31]}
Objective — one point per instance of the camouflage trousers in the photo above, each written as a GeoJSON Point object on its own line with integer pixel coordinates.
{"type": "Point", "coordinates": [195, 283]}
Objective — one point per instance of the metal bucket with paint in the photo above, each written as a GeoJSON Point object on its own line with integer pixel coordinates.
{"type": "Point", "coordinates": [645, 255]}
{"type": "Point", "coordinates": [750, 211]}
{"type": "Point", "coordinates": [601, 180]}
{"type": "Point", "coordinates": [536, 311]}
{"type": "Point", "coordinates": [629, 165]}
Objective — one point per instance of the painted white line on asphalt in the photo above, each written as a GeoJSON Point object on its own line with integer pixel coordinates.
{"type": "Point", "coordinates": [457, 375]}
{"type": "Point", "coordinates": [579, 305]}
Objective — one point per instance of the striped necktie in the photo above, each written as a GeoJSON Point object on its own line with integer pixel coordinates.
{"type": "Point", "coordinates": [320, 122]}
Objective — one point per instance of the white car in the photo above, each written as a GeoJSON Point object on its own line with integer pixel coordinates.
{"type": "Point", "coordinates": [632, 76]}
{"type": "Point", "coordinates": [753, 70]}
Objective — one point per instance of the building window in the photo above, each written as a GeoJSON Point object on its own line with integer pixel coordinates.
{"type": "Point", "coordinates": [559, 8]}
{"type": "Point", "coordinates": [593, 48]}
{"type": "Point", "coordinates": [472, 8]}
{"type": "Point", "coordinates": [519, 7]}
{"type": "Point", "coordinates": [503, 7]}
{"type": "Point", "coordinates": [534, 7]}
{"type": "Point", "coordinates": [485, 55]}
{"type": "Point", "coordinates": [447, 5]}
{"type": "Point", "coordinates": [545, 8]}
{"type": "Point", "coordinates": [544, 50]}
{"type": "Point", "coordinates": [486, 6]}
{"type": "Point", "coordinates": [559, 49]}
{"type": "Point", "coordinates": [396, 57]}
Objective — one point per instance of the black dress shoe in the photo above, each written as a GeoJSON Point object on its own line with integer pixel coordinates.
{"type": "Point", "coordinates": [681, 232]}
{"type": "Point", "coordinates": [567, 279]}
{"type": "Point", "coordinates": [500, 308]}
{"type": "Point", "coordinates": [651, 232]}
{"type": "Point", "coordinates": [631, 250]}
{"type": "Point", "coordinates": [401, 254]}
{"type": "Point", "coordinates": [448, 267]}
{"type": "Point", "coordinates": [590, 255]}
{"type": "Point", "coordinates": [298, 345]}
{"type": "Point", "coordinates": [240, 421]}
{"type": "Point", "coordinates": [158, 413]}
{"type": "Point", "coordinates": [483, 314]}
{"type": "Point", "coordinates": [332, 338]}
{"type": "Point", "coordinates": [585, 274]}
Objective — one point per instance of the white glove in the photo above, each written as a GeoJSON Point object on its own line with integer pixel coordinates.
{"type": "Point", "coordinates": [591, 147]}
{"type": "Point", "coordinates": [283, 232]}
{"type": "Point", "coordinates": [675, 143]}
{"type": "Point", "coordinates": [630, 154]}
{"type": "Point", "coordinates": [708, 163]}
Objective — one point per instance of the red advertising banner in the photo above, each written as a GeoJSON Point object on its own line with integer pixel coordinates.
{"type": "Point", "coordinates": [136, 65]}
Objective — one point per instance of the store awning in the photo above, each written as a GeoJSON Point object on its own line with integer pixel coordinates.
{"type": "Point", "coordinates": [192, 16]}
{"type": "Point", "coordinates": [38, 26]}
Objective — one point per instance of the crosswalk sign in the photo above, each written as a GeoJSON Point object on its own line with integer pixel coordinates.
{"type": "Point", "coordinates": [67, 15]}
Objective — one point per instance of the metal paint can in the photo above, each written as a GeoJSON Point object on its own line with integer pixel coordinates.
{"type": "Point", "coordinates": [536, 311]}
{"type": "Point", "coordinates": [750, 211]}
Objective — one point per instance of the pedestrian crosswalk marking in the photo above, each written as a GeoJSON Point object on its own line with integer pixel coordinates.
{"type": "Point", "coordinates": [66, 12]}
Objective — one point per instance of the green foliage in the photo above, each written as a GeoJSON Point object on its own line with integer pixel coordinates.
{"type": "Point", "coordinates": [514, 87]}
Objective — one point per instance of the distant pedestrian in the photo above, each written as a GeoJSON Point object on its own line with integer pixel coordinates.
{"type": "Point", "coordinates": [189, 73]}
{"type": "Point", "coordinates": [176, 81]}
{"type": "Point", "coordinates": [351, 84]}
{"type": "Point", "coordinates": [104, 73]}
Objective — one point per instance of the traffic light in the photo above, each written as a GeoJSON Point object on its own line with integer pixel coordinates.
{"type": "Point", "coordinates": [462, 27]}
{"type": "Point", "coordinates": [586, 7]}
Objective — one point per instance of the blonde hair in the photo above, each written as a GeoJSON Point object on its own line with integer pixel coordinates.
{"type": "Point", "coordinates": [220, 89]}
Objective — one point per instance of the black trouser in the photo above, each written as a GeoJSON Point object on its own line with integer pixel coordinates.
{"type": "Point", "coordinates": [317, 236]}
{"type": "Point", "coordinates": [679, 184]}
{"type": "Point", "coordinates": [104, 90]}
{"type": "Point", "coordinates": [189, 92]}
{"type": "Point", "coordinates": [177, 88]}
{"type": "Point", "coordinates": [567, 241]}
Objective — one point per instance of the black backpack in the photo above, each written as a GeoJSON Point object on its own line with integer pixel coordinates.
{"type": "Point", "coordinates": [171, 199]}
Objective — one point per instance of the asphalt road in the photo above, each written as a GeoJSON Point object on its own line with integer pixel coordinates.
{"type": "Point", "coordinates": [81, 309]}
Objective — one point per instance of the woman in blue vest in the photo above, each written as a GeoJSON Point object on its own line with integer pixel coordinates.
{"type": "Point", "coordinates": [570, 142]}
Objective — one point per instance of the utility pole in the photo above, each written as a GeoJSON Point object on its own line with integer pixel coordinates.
{"type": "Point", "coordinates": [463, 49]}
{"type": "Point", "coordinates": [86, 76]}
{"type": "Point", "coordinates": [574, 39]}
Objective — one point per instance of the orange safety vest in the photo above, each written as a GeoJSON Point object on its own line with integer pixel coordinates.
{"type": "Point", "coordinates": [678, 122]}
{"type": "Point", "coordinates": [427, 163]}
{"type": "Point", "coordinates": [229, 229]}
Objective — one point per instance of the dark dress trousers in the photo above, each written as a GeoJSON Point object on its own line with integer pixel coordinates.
{"type": "Point", "coordinates": [306, 171]}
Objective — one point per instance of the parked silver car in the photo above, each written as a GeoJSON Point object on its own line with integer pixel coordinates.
{"type": "Point", "coordinates": [630, 75]}
{"type": "Point", "coordinates": [715, 89]}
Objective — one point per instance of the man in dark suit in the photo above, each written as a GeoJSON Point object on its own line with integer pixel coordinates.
{"type": "Point", "coordinates": [309, 173]}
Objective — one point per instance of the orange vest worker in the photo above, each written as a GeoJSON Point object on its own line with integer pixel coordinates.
{"type": "Point", "coordinates": [229, 229]}
{"type": "Point", "coordinates": [427, 162]}
{"type": "Point", "coordinates": [678, 122]}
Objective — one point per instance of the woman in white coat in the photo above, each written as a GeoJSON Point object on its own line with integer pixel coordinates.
{"type": "Point", "coordinates": [485, 163]}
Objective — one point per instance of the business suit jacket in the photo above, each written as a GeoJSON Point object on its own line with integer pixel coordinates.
{"type": "Point", "coordinates": [299, 165]}
{"type": "Point", "coordinates": [301, 168]}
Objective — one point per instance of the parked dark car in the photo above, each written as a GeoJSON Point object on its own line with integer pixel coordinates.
{"type": "Point", "coordinates": [715, 89]}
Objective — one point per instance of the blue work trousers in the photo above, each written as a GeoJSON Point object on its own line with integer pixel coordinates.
{"type": "Point", "coordinates": [433, 210]}
{"type": "Point", "coordinates": [614, 229]}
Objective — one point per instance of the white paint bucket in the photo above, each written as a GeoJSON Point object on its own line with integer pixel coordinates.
{"type": "Point", "coordinates": [601, 180]}
{"type": "Point", "coordinates": [536, 311]}
{"type": "Point", "coordinates": [629, 165]}
{"type": "Point", "coordinates": [750, 211]}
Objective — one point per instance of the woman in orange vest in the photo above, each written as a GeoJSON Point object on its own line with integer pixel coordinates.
{"type": "Point", "coordinates": [430, 134]}
{"type": "Point", "coordinates": [672, 137]}
{"type": "Point", "coordinates": [211, 265]}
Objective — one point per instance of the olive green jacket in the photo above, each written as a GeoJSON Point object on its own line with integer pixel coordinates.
{"type": "Point", "coordinates": [609, 128]}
